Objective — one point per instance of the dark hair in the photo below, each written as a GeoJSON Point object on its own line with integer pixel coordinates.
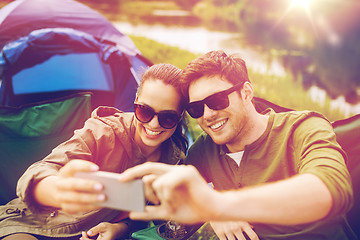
{"type": "Point", "coordinates": [231, 68]}
{"type": "Point", "coordinates": [170, 75]}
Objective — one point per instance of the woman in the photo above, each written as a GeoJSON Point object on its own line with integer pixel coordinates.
{"type": "Point", "coordinates": [53, 203]}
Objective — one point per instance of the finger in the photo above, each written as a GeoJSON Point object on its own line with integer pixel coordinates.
{"type": "Point", "coordinates": [250, 233]}
{"type": "Point", "coordinates": [178, 176]}
{"type": "Point", "coordinates": [150, 194]}
{"type": "Point", "coordinates": [143, 170]}
{"type": "Point", "coordinates": [150, 213]}
{"type": "Point", "coordinates": [77, 166]}
{"type": "Point", "coordinates": [239, 235]}
{"type": "Point", "coordinates": [221, 236]}
{"type": "Point", "coordinates": [81, 198]}
{"type": "Point", "coordinates": [95, 230]}
{"type": "Point", "coordinates": [79, 184]}
{"type": "Point", "coordinates": [84, 236]}
{"type": "Point", "coordinates": [169, 188]}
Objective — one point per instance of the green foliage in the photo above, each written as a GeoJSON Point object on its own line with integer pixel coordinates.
{"type": "Point", "coordinates": [160, 53]}
{"type": "Point", "coordinates": [143, 8]}
{"type": "Point", "coordinates": [286, 92]}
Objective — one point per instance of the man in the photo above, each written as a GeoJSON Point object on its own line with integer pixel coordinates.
{"type": "Point", "coordinates": [288, 167]}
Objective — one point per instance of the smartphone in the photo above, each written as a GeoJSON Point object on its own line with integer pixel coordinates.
{"type": "Point", "coordinates": [128, 196]}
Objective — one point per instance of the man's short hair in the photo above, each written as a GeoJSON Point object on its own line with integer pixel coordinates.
{"type": "Point", "coordinates": [231, 68]}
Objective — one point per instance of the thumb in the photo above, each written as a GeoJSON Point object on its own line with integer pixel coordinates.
{"type": "Point", "coordinates": [77, 166]}
{"type": "Point", "coordinates": [95, 230]}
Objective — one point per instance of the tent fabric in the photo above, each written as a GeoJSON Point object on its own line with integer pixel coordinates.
{"type": "Point", "coordinates": [21, 17]}
{"type": "Point", "coordinates": [28, 133]}
{"type": "Point", "coordinates": [64, 59]}
{"type": "Point", "coordinates": [28, 51]}
{"type": "Point", "coordinates": [42, 44]}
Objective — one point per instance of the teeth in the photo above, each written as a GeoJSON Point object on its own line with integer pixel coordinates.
{"type": "Point", "coordinates": [151, 133]}
{"type": "Point", "coordinates": [217, 125]}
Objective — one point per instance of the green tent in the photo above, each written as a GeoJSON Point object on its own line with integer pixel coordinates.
{"type": "Point", "coordinates": [29, 133]}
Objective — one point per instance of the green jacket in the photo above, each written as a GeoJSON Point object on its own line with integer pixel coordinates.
{"type": "Point", "coordinates": [107, 140]}
{"type": "Point", "coordinates": [293, 143]}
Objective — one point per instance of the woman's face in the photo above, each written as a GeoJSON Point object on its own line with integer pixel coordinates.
{"type": "Point", "coordinates": [159, 97]}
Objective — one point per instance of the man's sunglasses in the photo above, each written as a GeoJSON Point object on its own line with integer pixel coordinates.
{"type": "Point", "coordinates": [167, 119]}
{"type": "Point", "coordinates": [216, 101]}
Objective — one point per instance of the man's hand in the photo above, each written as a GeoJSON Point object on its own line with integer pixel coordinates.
{"type": "Point", "coordinates": [72, 195]}
{"type": "Point", "coordinates": [106, 231]}
{"type": "Point", "coordinates": [233, 230]}
{"type": "Point", "coordinates": [183, 194]}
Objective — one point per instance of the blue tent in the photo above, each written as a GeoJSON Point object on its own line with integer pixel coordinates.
{"type": "Point", "coordinates": [54, 48]}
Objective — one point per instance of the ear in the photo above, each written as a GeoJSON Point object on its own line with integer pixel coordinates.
{"type": "Point", "coordinates": [247, 92]}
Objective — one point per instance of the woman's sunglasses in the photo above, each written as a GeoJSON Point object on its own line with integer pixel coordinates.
{"type": "Point", "coordinates": [167, 119]}
{"type": "Point", "coordinates": [216, 101]}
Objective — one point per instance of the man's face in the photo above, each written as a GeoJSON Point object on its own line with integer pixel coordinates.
{"type": "Point", "coordinates": [224, 126]}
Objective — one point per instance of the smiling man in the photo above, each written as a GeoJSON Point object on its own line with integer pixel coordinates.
{"type": "Point", "coordinates": [289, 166]}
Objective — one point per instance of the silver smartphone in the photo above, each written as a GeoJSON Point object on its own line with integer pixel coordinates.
{"type": "Point", "coordinates": [127, 196]}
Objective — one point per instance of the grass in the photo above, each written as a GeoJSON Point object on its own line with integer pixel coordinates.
{"type": "Point", "coordinates": [284, 91]}
{"type": "Point", "coordinates": [162, 53]}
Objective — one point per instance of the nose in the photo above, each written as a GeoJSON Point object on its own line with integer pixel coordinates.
{"type": "Point", "coordinates": [154, 123]}
{"type": "Point", "coordinates": [209, 114]}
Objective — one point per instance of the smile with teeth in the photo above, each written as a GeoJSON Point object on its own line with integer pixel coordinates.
{"type": "Point", "coordinates": [218, 125]}
{"type": "Point", "coordinates": [152, 133]}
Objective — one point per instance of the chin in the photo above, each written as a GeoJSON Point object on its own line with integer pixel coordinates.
{"type": "Point", "coordinates": [151, 142]}
{"type": "Point", "coordinates": [219, 140]}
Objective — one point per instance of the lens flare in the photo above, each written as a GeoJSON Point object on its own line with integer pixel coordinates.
{"type": "Point", "coordinates": [300, 3]}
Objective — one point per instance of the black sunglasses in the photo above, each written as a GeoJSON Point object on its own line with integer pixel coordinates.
{"type": "Point", "coordinates": [167, 119]}
{"type": "Point", "coordinates": [216, 101]}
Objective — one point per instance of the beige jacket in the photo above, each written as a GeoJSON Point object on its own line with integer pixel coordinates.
{"type": "Point", "coordinates": [107, 140]}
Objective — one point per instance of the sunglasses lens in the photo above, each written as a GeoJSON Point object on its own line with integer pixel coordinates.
{"type": "Point", "coordinates": [168, 120]}
{"type": "Point", "coordinates": [143, 113]}
{"type": "Point", "coordinates": [217, 101]}
{"type": "Point", "coordinates": [195, 109]}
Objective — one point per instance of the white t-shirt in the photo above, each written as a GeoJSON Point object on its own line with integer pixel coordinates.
{"type": "Point", "coordinates": [237, 156]}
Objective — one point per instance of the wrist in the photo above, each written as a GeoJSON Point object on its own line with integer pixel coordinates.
{"type": "Point", "coordinates": [228, 206]}
{"type": "Point", "coordinates": [44, 192]}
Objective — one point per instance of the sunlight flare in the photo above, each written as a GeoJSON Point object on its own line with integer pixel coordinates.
{"type": "Point", "coordinates": [300, 3]}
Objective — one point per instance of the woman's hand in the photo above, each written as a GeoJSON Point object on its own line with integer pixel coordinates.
{"type": "Point", "coordinates": [234, 230]}
{"type": "Point", "coordinates": [71, 194]}
{"type": "Point", "coordinates": [106, 231]}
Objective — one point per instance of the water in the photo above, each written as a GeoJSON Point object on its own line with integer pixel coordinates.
{"type": "Point", "coordinates": [201, 40]}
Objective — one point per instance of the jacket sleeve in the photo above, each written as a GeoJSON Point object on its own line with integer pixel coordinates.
{"type": "Point", "coordinates": [84, 145]}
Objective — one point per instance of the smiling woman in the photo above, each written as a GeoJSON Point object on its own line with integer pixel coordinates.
{"type": "Point", "coordinates": [110, 140]}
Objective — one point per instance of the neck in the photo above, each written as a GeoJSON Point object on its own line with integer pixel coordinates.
{"type": "Point", "coordinates": [152, 155]}
{"type": "Point", "coordinates": [252, 131]}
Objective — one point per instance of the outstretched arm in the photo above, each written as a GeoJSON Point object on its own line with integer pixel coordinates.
{"type": "Point", "coordinates": [185, 197]}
